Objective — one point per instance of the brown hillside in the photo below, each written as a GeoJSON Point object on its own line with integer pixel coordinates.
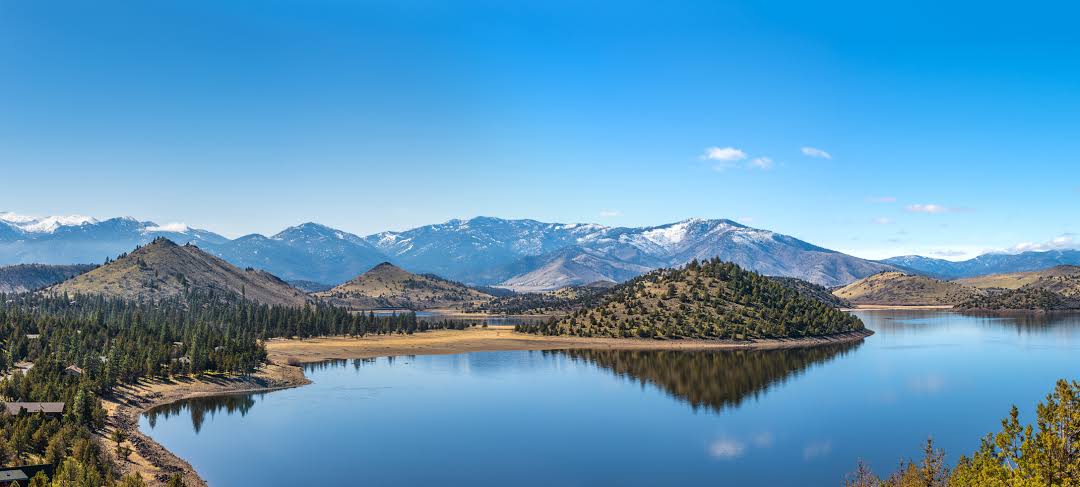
{"type": "Point", "coordinates": [899, 289]}
{"type": "Point", "coordinates": [1017, 280]}
{"type": "Point", "coordinates": [163, 269]}
{"type": "Point", "coordinates": [23, 278]}
{"type": "Point", "coordinates": [389, 286]}
{"type": "Point", "coordinates": [1056, 288]}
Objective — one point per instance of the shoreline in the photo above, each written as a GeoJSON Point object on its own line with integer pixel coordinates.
{"type": "Point", "coordinates": [156, 464]}
{"type": "Point", "coordinates": [879, 307]}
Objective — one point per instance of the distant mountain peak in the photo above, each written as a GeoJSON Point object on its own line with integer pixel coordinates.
{"type": "Point", "coordinates": [46, 224]}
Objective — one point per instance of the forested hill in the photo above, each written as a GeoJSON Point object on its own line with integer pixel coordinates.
{"type": "Point", "coordinates": [389, 286]}
{"type": "Point", "coordinates": [710, 300]}
{"type": "Point", "coordinates": [22, 278]}
{"type": "Point", "coordinates": [163, 269]}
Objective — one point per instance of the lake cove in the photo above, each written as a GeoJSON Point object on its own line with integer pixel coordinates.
{"type": "Point", "coordinates": [634, 417]}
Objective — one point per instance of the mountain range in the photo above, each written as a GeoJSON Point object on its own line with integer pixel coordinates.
{"type": "Point", "coordinates": [524, 255]}
{"type": "Point", "coordinates": [986, 264]}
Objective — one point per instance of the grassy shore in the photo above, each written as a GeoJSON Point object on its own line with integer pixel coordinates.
{"type": "Point", "coordinates": [156, 464]}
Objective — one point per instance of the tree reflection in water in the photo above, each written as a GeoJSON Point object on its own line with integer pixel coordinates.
{"type": "Point", "coordinates": [711, 379]}
{"type": "Point", "coordinates": [200, 406]}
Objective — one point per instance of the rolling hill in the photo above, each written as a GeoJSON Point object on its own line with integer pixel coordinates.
{"type": "Point", "coordinates": [163, 269]}
{"type": "Point", "coordinates": [708, 300]}
{"type": "Point", "coordinates": [900, 289]}
{"type": "Point", "coordinates": [389, 286]}
{"type": "Point", "coordinates": [1056, 288]}
{"type": "Point", "coordinates": [31, 277]}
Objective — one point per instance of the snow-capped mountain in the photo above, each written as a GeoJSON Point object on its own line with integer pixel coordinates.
{"type": "Point", "coordinates": [531, 255]}
{"type": "Point", "coordinates": [992, 263]}
{"type": "Point", "coordinates": [477, 250]}
{"type": "Point", "coordinates": [518, 254]}
{"type": "Point", "coordinates": [77, 239]}
{"type": "Point", "coordinates": [308, 252]}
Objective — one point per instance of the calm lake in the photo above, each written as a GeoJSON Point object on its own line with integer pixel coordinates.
{"type": "Point", "coordinates": [784, 417]}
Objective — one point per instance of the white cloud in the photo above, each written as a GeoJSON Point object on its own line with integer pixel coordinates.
{"type": "Point", "coordinates": [610, 213]}
{"type": "Point", "coordinates": [816, 153]}
{"type": "Point", "coordinates": [882, 199]}
{"type": "Point", "coordinates": [1064, 241]}
{"type": "Point", "coordinates": [763, 163]}
{"type": "Point", "coordinates": [883, 221]}
{"type": "Point", "coordinates": [175, 227]}
{"type": "Point", "coordinates": [947, 252]}
{"type": "Point", "coordinates": [729, 154]}
{"type": "Point", "coordinates": [935, 209]}
{"type": "Point", "coordinates": [726, 449]}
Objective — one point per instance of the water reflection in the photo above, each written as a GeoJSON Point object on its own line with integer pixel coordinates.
{"type": "Point", "coordinates": [1008, 326]}
{"type": "Point", "coordinates": [715, 380]}
{"type": "Point", "coordinates": [199, 407]}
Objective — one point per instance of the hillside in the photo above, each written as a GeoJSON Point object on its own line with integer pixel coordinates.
{"type": "Point", "coordinates": [1017, 280]}
{"type": "Point", "coordinates": [1057, 288]}
{"type": "Point", "coordinates": [562, 300]}
{"type": "Point", "coordinates": [31, 277]}
{"type": "Point", "coordinates": [389, 286]}
{"type": "Point", "coordinates": [163, 269]}
{"type": "Point", "coordinates": [813, 291]}
{"type": "Point", "coordinates": [900, 289]}
{"type": "Point", "coordinates": [709, 300]}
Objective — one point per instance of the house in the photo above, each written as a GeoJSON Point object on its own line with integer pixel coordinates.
{"type": "Point", "coordinates": [22, 474]}
{"type": "Point", "coordinates": [50, 409]}
{"type": "Point", "coordinates": [73, 371]}
{"type": "Point", "coordinates": [13, 476]}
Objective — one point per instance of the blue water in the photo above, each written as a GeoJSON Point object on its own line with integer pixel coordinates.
{"type": "Point", "coordinates": [785, 417]}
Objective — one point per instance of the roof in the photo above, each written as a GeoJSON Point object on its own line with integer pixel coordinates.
{"type": "Point", "coordinates": [13, 408]}
{"type": "Point", "coordinates": [12, 474]}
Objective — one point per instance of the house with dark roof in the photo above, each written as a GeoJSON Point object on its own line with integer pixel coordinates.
{"type": "Point", "coordinates": [21, 475]}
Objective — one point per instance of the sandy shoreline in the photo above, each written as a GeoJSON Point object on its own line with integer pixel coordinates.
{"type": "Point", "coordinates": [871, 307]}
{"type": "Point", "coordinates": [156, 464]}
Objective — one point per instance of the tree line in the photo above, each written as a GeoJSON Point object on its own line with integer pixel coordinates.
{"type": "Point", "coordinates": [83, 346]}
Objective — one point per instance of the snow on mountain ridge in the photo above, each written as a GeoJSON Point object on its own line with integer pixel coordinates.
{"type": "Point", "coordinates": [47, 224]}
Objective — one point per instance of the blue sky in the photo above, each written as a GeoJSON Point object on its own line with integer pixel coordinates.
{"type": "Point", "coordinates": [949, 129]}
